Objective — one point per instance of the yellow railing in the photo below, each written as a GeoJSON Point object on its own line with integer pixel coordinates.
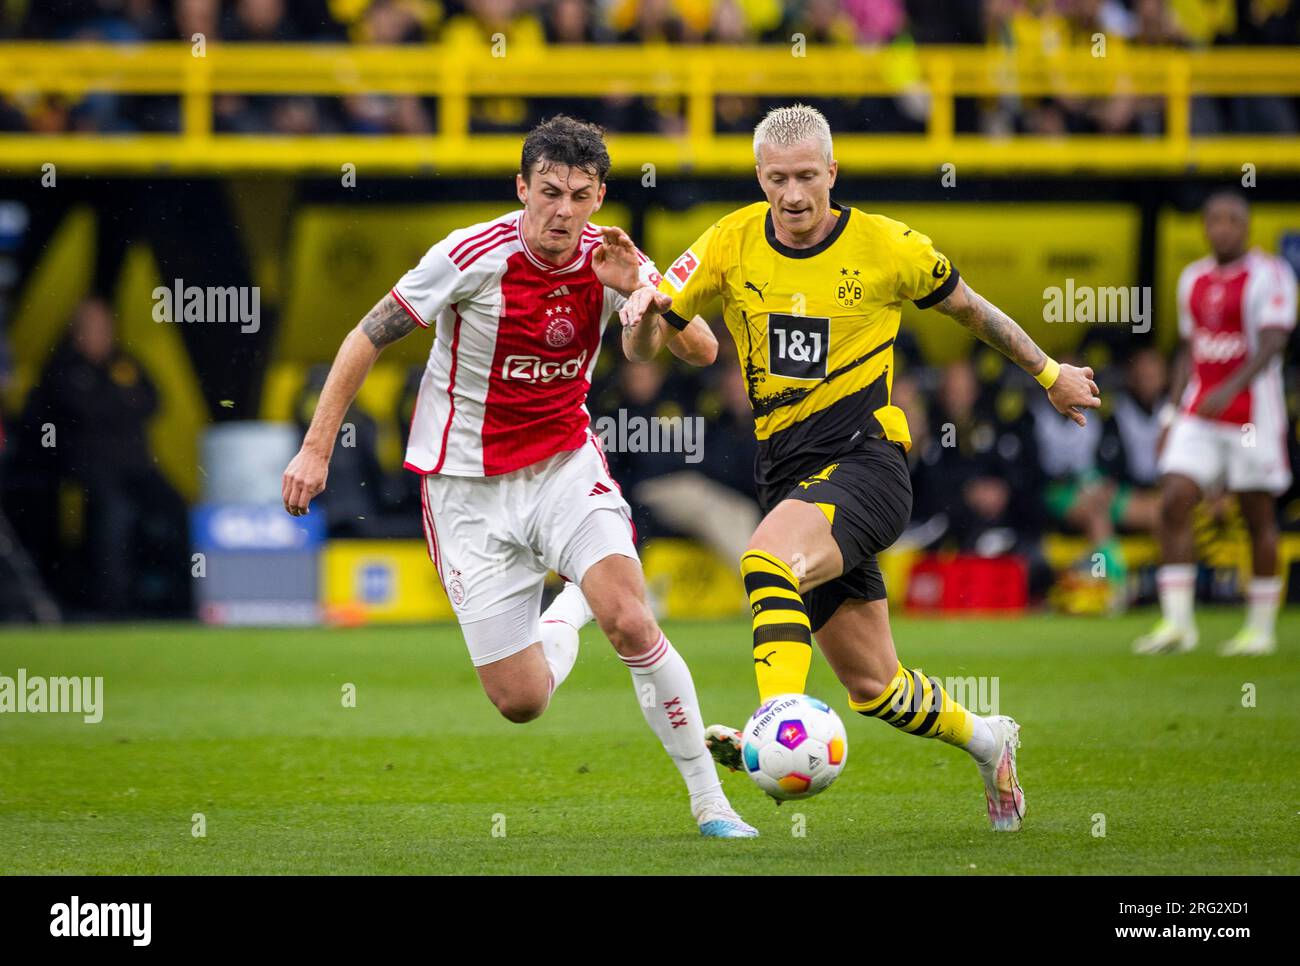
{"type": "Point", "coordinates": [695, 75]}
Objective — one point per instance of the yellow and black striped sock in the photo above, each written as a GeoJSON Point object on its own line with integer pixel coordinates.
{"type": "Point", "coordinates": [782, 634]}
{"type": "Point", "coordinates": [918, 704]}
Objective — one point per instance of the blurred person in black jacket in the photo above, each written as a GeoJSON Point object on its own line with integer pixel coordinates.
{"type": "Point", "coordinates": [975, 476]}
{"type": "Point", "coordinates": [1129, 443]}
{"type": "Point", "coordinates": [363, 501]}
{"type": "Point", "coordinates": [97, 400]}
{"type": "Point", "coordinates": [684, 469]}
{"type": "Point", "coordinates": [732, 445]}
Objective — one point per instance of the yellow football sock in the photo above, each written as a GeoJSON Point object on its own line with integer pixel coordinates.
{"type": "Point", "coordinates": [782, 634]}
{"type": "Point", "coordinates": [918, 704]}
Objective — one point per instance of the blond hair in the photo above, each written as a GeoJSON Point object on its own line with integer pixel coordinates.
{"type": "Point", "coordinates": [790, 125]}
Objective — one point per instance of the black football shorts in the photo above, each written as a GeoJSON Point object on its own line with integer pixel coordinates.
{"type": "Point", "coordinates": [871, 492]}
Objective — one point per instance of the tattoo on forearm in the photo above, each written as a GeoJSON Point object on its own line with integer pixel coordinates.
{"type": "Point", "coordinates": [387, 322]}
{"type": "Point", "coordinates": [994, 327]}
{"type": "Point", "coordinates": [643, 338]}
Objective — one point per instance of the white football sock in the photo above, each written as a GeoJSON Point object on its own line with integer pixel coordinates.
{"type": "Point", "coordinates": [1262, 597]}
{"type": "Point", "coordinates": [1177, 587]}
{"type": "Point", "coordinates": [560, 648]}
{"type": "Point", "coordinates": [666, 694]}
{"type": "Point", "coordinates": [560, 625]}
{"type": "Point", "coordinates": [982, 745]}
{"type": "Point", "coordinates": [570, 606]}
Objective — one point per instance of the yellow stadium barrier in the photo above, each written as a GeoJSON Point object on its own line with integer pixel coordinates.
{"type": "Point", "coordinates": [1062, 551]}
{"type": "Point", "coordinates": [392, 581]}
{"type": "Point", "coordinates": [695, 74]}
{"type": "Point", "coordinates": [381, 581]}
{"type": "Point", "coordinates": [686, 580]}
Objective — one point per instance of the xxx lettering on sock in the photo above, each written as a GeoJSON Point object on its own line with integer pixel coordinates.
{"type": "Point", "coordinates": [675, 712]}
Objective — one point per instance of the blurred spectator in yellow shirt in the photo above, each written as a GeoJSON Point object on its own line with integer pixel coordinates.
{"type": "Point", "coordinates": [504, 27]}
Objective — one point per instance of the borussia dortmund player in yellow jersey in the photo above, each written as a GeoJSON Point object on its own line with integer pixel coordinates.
{"type": "Point", "coordinates": [812, 294]}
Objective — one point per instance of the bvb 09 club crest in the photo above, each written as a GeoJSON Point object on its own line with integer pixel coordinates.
{"type": "Point", "coordinates": [848, 289]}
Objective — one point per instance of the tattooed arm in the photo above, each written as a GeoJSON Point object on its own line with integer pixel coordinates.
{"type": "Point", "coordinates": [1073, 389]}
{"type": "Point", "coordinates": [696, 344]}
{"type": "Point", "coordinates": [304, 479]}
{"type": "Point", "coordinates": [645, 331]}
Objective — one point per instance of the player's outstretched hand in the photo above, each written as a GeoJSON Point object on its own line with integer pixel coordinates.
{"type": "Point", "coordinates": [615, 261]}
{"type": "Point", "coordinates": [304, 480]}
{"type": "Point", "coordinates": [1073, 392]}
{"type": "Point", "coordinates": [643, 300]}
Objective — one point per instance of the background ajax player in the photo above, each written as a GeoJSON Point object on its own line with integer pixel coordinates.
{"type": "Point", "coordinates": [1236, 311]}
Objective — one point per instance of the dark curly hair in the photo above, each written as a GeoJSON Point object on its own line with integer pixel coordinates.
{"type": "Point", "coordinates": [568, 141]}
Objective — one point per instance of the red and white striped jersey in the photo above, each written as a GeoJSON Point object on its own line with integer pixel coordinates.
{"type": "Point", "coordinates": [515, 343]}
{"type": "Point", "coordinates": [1221, 310]}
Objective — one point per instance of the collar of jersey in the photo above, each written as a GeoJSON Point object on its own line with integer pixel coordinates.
{"type": "Point", "coordinates": [769, 230]}
{"type": "Point", "coordinates": [542, 263]}
{"type": "Point", "coordinates": [1233, 268]}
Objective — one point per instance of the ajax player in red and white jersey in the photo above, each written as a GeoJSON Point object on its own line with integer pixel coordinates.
{"type": "Point", "coordinates": [1236, 310]}
{"type": "Point", "coordinates": [514, 482]}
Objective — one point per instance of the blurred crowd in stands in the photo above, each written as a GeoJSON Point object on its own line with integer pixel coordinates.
{"type": "Point", "coordinates": [898, 25]}
{"type": "Point", "coordinates": [80, 456]}
{"type": "Point", "coordinates": [993, 467]}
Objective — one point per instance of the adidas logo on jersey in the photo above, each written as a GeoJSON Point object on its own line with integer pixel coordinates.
{"type": "Point", "coordinates": [598, 489]}
{"type": "Point", "coordinates": [562, 290]}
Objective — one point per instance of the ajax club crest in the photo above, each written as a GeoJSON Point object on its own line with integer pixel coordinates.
{"type": "Point", "coordinates": [559, 329]}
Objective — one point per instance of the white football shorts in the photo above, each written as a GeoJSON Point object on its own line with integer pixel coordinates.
{"type": "Point", "coordinates": [1215, 454]}
{"type": "Point", "coordinates": [494, 538]}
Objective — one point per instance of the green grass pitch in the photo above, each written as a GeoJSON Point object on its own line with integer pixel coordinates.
{"type": "Point", "coordinates": [248, 728]}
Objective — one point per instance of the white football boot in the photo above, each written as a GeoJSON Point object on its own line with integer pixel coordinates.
{"type": "Point", "coordinates": [1249, 642]}
{"type": "Point", "coordinates": [1002, 791]}
{"type": "Point", "coordinates": [718, 820]}
{"type": "Point", "coordinates": [1167, 638]}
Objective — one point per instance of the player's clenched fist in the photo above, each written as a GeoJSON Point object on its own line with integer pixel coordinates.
{"type": "Point", "coordinates": [640, 302]}
{"type": "Point", "coordinates": [1074, 390]}
{"type": "Point", "coordinates": [304, 479]}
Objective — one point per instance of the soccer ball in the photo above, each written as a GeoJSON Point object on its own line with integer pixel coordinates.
{"type": "Point", "coordinates": [794, 746]}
